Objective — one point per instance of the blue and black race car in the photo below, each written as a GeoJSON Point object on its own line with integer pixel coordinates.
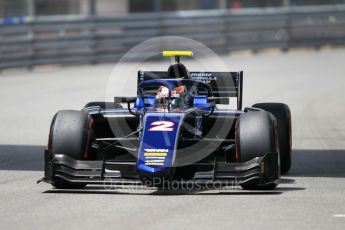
{"type": "Point", "coordinates": [175, 130]}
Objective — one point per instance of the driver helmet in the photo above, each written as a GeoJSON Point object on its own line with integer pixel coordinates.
{"type": "Point", "coordinates": [178, 95]}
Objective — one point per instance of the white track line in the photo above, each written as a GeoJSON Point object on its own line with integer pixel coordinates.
{"type": "Point", "coordinates": [339, 215]}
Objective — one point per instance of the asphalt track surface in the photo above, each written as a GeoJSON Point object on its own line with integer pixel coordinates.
{"type": "Point", "coordinates": [311, 196]}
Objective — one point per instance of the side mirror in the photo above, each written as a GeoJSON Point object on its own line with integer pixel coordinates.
{"type": "Point", "coordinates": [128, 100]}
{"type": "Point", "coordinates": [125, 99]}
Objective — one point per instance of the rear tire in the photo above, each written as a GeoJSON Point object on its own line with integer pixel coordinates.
{"type": "Point", "coordinates": [70, 134]}
{"type": "Point", "coordinates": [255, 137]}
{"type": "Point", "coordinates": [283, 115]}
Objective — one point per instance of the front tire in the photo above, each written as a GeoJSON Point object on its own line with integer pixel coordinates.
{"type": "Point", "coordinates": [283, 115]}
{"type": "Point", "coordinates": [70, 134]}
{"type": "Point", "coordinates": [255, 137]}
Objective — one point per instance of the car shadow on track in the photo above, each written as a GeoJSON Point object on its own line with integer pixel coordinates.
{"type": "Point", "coordinates": [317, 163]}
{"type": "Point", "coordinates": [174, 192]}
{"type": "Point", "coordinates": [166, 192]}
{"type": "Point", "coordinates": [152, 191]}
{"type": "Point", "coordinates": [22, 157]}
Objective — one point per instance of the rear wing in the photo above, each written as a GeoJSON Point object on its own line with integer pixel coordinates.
{"type": "Point", "coordinates": [223, 84]}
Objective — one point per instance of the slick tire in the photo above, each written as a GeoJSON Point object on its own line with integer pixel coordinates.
{"type": "Point", "coordinates": [70, 134]}
{"type": "Point", "coordinates": [255, 136]}
{"type": "Point", "coordinates": [283, 115]}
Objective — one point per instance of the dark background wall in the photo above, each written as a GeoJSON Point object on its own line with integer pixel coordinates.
{"type": "Point", "coordinates": [17, 8]}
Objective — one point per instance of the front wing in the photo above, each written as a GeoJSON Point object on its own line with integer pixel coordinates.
{"type": "Point", "coordinates": [260, 170]}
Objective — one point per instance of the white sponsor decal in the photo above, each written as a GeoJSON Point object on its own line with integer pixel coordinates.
{"type": "Point", "coordinates": [155, 158]}
{"type": "Point", "coordinates": [153, 161]}
{"type": "Point", "coordinates": [157, 150]}
{"type": "Point", "coordinates": [162, 126]}
{"type": "Point", "coordinates": [203, 77]}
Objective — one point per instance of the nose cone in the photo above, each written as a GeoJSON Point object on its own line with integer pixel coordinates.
{"type": "Point", "coordinates": [159, 142]}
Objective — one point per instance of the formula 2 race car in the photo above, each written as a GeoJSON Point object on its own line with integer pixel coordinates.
{"type": "Point", "coordinates": [174, 130]}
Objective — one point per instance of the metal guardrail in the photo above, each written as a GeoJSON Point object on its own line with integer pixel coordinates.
{"type": "Point", "coordinates": [27, 42]}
